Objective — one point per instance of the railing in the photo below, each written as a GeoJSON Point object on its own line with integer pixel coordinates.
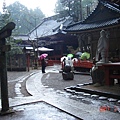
{"type": "Point", "coordinates": [83, 64]}
{"type": "Point", "coordinates": [109, 69]}
{"type": "Point", "coordinates": [52, 62]}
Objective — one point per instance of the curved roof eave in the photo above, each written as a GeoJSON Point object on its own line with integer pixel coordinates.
{"type": "Point", "coordinates": [111, 6]}
{"type": "Point", "coordinates": [85, 27]}
{"type": "Point", "coordinates": [77, 26]}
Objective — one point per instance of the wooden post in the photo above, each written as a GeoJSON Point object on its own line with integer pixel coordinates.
{"type": "Point", "coordinates": [4, 33]}
{"type": "Point", "coordinates": [3, 79]}
{"type": "Point", "coordinates": [28, 62]}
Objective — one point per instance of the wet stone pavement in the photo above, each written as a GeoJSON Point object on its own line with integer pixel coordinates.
{"type": "Point", "coordinates": [53, 101]}
{"type": "Point", "coordinates": [40, 111]}
{"type": "Point", "coordinates": [67, 89]}
{"type": "Point", "coordinates": [17, 83]}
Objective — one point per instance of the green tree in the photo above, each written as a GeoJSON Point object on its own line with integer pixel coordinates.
{"type": "Point", "coordinates": [33, 18]}
{"type": "Point", "coordinates": [88, 6]}
{"type": "Point", "coordinates": [24, 18]}
{"type": "Point", "coordinates": [15, 49]}
{"type": "Point", "coordinates": [78, 9]}
{"type": "Point", "coordinates": [58, 7]}
{"type": "Point", "coordinates": [5, 19]}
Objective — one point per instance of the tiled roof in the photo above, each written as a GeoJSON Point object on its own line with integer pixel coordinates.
{"type": "Point", "coordinates": [95, 21]}
{"type": "Point", "coordinates": [80, 27]}
{"type": "Point", "coordinates": [117, 2]}
{"type": "Point", "coordinates": [48, 27]}
{"type": "Point", "coordinates": [112, 6]}
{"type": "Point", "coordinates": [22, 37]}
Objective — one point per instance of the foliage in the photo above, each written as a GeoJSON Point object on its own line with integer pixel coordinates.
{"type": "Point", "coordinates": [5, 19]}
{"type": "Point", "coordinates": [24, 18]}
{"type": "Point", "coordinates": [15, 49]}
{"type": "Point", "coordinates": [78, 9]}
{"type": "Point", "coordinates": [58, 7]}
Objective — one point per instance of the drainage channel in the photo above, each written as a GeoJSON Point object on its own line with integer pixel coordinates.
{"type": "Point", "coordinates": [18, 85]}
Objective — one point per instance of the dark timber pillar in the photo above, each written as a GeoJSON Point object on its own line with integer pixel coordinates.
{"type": "Point", "coordinates": [4, 33]}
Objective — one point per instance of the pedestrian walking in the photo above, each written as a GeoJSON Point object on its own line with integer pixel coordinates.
{"type": "Point", "coordinates": [43, 64]}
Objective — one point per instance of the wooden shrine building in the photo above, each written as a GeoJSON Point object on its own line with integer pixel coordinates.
{"type": "Point", "coordinates": [105, 16]}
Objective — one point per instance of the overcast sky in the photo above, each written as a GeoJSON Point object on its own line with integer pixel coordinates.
{"type": "Point", "coordinates": [46, 6]}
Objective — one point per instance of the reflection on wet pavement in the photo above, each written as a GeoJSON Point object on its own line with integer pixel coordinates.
{"type": "Point", "coordinates": [38, 111]}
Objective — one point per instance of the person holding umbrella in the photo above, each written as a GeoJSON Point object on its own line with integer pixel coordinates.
{"type": "Point", "coordinates": [43, 65]}
{"type": "Point", "coordinates": [43, 62]}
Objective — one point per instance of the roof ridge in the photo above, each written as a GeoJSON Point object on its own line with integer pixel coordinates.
{"type": "Point", "coordinates": [103, 20]}
{"type": "Point", "coordinates": [111, 6]}
{"type": "Point", "coordinates": [105, 3]}
{"type": "Point", "coordinates": [113, 2]}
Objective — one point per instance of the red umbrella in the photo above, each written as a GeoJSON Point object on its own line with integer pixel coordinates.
{"type": "Point", "coordinates": [42, 56]}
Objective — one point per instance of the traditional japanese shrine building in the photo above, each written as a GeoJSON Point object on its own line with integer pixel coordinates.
{"type": "Point", "coordinates": [58, 32]}
{"type": "Point", "coordinates": [49, 34]}
{"type": "Point", "coordinates": [105, 16]}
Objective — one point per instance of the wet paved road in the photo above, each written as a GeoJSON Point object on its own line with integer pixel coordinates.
{"type": "Point", "coordinates": [40, 110]}
{"type": "Point", "coordinates": [63, 87]}
{"type": "Point", "coordinates": [83, 102]}
{"type": "Point", "coordinates": [17, 83]}
{"type": "Point", "coordinates": [32, 111]}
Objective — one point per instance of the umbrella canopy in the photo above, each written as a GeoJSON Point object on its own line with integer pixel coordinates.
{"type": "Point", "coordinates": [70, 55]}
{"type": "Point", "coordinates": [44, 49]}
{"type": "Point", "coordinates": [74, 60]}
{"type": "Point", "coordinates": [85, 55]}
{"type": "Point", "coordinates": [62, 58]}
{"type": "Point", "coordinates": [42, 56]}
{"type": "Point", "coordinates": [79, 53]}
